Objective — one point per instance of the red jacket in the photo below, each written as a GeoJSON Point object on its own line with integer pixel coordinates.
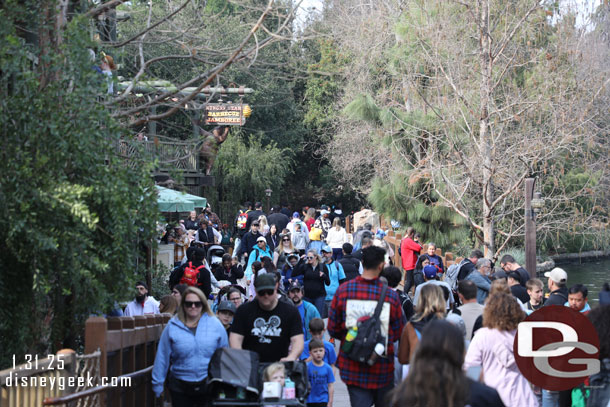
{"type": "Point", "coordinates": [409, 253]}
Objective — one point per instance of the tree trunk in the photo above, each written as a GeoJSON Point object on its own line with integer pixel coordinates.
{"type": "Point", "coordinates": [485, 146]}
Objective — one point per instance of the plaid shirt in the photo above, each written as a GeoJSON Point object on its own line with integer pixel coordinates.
{"type": "Point", "coordinates": [353, 373]}
{"type": "Point", "coordinates": [180, 246]}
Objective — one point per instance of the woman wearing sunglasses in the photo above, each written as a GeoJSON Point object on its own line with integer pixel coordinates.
{"type": "Point", "coordinates": [283, 250]}
{"type": "Point", "coordinates": [315, 275]}
{"type": "Point", "coordinates": [188, 341]}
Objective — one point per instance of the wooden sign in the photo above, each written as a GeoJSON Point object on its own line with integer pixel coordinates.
{"type": "Point", "coordinates": [226, 114]}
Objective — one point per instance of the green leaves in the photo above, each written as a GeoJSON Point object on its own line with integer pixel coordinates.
{"type": "Point", "coordinates": [74, 214]}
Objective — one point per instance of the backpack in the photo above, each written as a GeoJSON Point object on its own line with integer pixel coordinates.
{"type": "Point", "coordinates": [451, 276]}
{"type": "Point", "coordinates": [191, 275]}
{"type": "Point", "coordinates": [369, 333]}
{"type": "Point", "coordinates": [242, 219]}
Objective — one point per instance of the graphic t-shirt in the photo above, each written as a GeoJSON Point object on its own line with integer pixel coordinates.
{"type": "Point", "coordinates": [319, 378]}
{"type": "Point", "coordinates": [267, 333]}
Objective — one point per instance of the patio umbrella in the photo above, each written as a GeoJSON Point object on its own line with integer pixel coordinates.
{"type": "Point", "coordinates": [198, 201]}
{"type": "Point", "coordinates": [173, 201]}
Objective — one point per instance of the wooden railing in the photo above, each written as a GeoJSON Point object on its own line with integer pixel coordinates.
{"type": "Point", "coordinates": [127, 345]}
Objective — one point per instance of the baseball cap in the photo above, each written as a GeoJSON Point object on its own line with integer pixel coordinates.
{"type": "Point", "coordinates": [430, 271]}
{"type": "Point", "coordinates": [324, 212]}
{"type": "Point", "coordinates": [292, 255]}
{"type": "Point", "coordinates": [296, 215]}
{"type": "Point", "coordinates": [557, 275]}
{"type": "Point", "coordinates": [264, 282]}
{"type": "Point", "coordinates": [295, 285]}
{"type": "Point", "coordinates": [255, 223]}
{"type": "Point", "coordinates": [514, 275]}
{"type": "Point", "coordinates": [227, 306]}
{"type": "Point", "coordinates": [261, 239]}
{"type": "Point", "coordinates": [326, 248]}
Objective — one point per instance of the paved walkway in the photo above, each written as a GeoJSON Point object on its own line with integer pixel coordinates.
{"type": "Point", "coordinates": [341, 396]}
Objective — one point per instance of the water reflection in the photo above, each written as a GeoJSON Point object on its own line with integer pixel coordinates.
{"type": "Point", "coordinates": [592, 275]}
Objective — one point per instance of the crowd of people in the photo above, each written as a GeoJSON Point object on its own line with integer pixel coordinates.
{"type": "Point", "coordinates": [298, 287]}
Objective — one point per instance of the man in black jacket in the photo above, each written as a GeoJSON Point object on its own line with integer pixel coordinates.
{"type": "Point", "coordinates": [558, 279]}
{"type": "Point", "coordinates": [351, 265]}
{"type": "Point", "coordinates": [249, 240]}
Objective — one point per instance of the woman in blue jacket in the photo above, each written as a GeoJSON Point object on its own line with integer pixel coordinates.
{"type": "Point", "coordinates": [258, 252]}
{"type": "Point", "coordinates": [187, 344]}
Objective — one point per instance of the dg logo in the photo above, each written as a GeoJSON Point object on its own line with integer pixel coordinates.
{"type": "Point", "coordinates": [556, 348]}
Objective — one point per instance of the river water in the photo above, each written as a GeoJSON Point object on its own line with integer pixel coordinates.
{"type": "Point", "coordinates": [591, 274]}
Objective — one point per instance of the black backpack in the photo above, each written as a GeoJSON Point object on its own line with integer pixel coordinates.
{"type": "Point", "coordinates": [369, 333]}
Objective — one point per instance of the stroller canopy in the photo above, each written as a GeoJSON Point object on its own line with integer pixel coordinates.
{"type": "Point", "coordinates": [236, 367]}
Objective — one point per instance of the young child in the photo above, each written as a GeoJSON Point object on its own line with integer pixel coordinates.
{"type": "Point", "coordinates": [534, 289]}
{"type": "Point", "coordinates": [316, 328]}
{"type": "Point", "coordinates": [321, 377]}
{"type": "Point", "coordinates": [275, 372]}
{"type": "Point", "coordinates": [288, 269]}
{"type": "Point", "coordinates": [225, 313]}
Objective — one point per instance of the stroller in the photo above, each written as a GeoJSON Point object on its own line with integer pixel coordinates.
{"type": "Point", "coordinates": [214, 256]}
{"type": "Point", "coordinates": [235, 379]}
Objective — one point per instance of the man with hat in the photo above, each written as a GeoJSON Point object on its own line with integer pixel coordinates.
{"type": "Point", "coordinates": [307, 310]}
{"type": "Point", "coordinates": [430, 277]}
{"type": "Point", "coordinates": [142, 304]}
{"type": "Point", "coordinates": [558, 279]}
{"type": "Point", "coordinates": [224, 313]}
{"type": "Point", "coordinates": [248, 241]}
{"type": "Point", "coordinates": [267, 326]}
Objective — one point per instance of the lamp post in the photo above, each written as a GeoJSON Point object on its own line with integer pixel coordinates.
{"type": "Point", "coordinates": [533, 204]}
{"type": "Point", "coordinates": [268, 192]}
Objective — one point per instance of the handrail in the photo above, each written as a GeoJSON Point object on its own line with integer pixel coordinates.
{"type": "Point", "coordinates": [54, 401]}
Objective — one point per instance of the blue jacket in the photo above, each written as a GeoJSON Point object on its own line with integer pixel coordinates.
{"type": "Point", "coordinates": [185, 354]}
{"type": "Point", "coordinates": [311, 312]}
{"type": "Point", "coordinates": [483, 284]}
{"type": "Point", "coordinates": [336, 274]}
{"type": "Point", "coordinates": [255, 255]}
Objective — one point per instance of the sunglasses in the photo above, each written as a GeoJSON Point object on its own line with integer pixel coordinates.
{"type": "Point", "coordinates": [310, 257]}
{"type": "Point", "coordinates": [190, 304]}
{"type": "Point", "coordinates": [263, 293]}
{"type": "Point", "coordinates": [285, 240]}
